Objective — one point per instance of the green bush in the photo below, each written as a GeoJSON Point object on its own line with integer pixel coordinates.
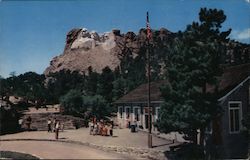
{"type": "Point", "coordinates": [8, 121]}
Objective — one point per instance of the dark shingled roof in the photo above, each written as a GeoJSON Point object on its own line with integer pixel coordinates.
{"type": "Point", "coordinates": [231, 77]}
{"type": "Point", "coordinates": [140, 94]}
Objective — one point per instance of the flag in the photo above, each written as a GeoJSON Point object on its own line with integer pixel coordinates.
{"type": "Point", "coordinates": [148, 28]}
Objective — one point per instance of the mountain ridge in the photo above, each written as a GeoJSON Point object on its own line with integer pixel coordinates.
{"type": "Point", "coordinates": [84, 49]}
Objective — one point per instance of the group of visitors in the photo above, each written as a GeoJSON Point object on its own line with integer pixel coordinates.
{"type": "Point", "coordinates": [27, 121]}
{"type": "Point", "coordinates": [101, 128]}
{"type": "Point", "coordinates": [96, 127]}
{"type": "Point", "coordinates": [55, 126]}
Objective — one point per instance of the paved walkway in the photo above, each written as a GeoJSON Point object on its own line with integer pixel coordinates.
{"type": "Point", "coordinates": [123, 141]}
{"type": "Point", "coordinates": [52, 150]}
{"type": "Point", "coordinates": [122, 137]}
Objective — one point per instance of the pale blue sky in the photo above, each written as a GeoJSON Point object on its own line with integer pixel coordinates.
{"type": "Point", "coordinates": [33, 32]}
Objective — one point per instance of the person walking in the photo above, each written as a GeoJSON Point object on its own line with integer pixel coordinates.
{"type": "Point", "coordinates": [49, 125]}
{"type": "Point", "coordinates": [62, 127]}
{"type": "Point", "coordinates": [57, 129]}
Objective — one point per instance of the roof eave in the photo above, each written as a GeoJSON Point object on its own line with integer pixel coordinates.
{"type": "Point", "coordinates": [234, 89]}
{"type": "Point", "coordinates": [138, 102]}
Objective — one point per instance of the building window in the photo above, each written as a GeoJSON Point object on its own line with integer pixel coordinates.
{"type": "Point", "coordinates": [234, 116]}
{"type": "Point", "coordinates": [120, 112]}
{"type": "Point", "coordinates": [137, 114]}
{"type": "Point", "coordinates": [127, 111]}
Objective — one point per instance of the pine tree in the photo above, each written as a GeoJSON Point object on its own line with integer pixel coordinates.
{"type": "Point", "coordinates": [193, 62]}
{"type": "Point", "coordinates": [73, 103]}
{"type": "Point", "coordinates": [105, 85]}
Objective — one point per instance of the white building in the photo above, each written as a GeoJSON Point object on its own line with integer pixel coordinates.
{"type": "Point", "coordinates": [133, 107]}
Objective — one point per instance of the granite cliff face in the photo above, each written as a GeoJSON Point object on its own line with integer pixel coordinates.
{"type": "Point", "coordinates": [88, 48]}
{"type": "Point", "coordinates": [84, 48]}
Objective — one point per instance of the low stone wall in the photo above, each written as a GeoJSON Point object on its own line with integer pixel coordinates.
{"type": "Point", "coordinates": [39, 121]}
{"type": "Point", "coordinates": [139, 152]}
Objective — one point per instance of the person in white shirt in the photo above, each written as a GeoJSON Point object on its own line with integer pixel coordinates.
{"type": "Point", "coordinates": [20, 122]}
{"type": "Point", "coordinates": [91, 126]}
{"type": "Point", "coordinates": [49, 126]}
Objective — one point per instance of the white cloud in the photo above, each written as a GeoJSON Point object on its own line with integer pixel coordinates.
{"type": "Point", "coordinates": [248, 1]}
{"type": "Point", "coordinates": [241, 35]}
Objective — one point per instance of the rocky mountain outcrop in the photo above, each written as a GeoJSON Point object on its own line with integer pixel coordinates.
{"type": "Point", "coordinates": [84, 49]}
{"type": "Point", "coordinates": [88, 48]}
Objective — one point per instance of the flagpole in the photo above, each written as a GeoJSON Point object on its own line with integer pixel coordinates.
{"type": "Point", "coordinates": [149, 75]}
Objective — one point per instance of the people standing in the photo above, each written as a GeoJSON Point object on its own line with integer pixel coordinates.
{"type": "Point", "coordinates": [20, 122]}
{"type": "Point", "coordinates": [136, 125]}
{"type": "Point", "coordinates": [104, 130]}
{"type": "Point", "coordinates": [112, 124]}
{"type": "Point", "coordinates": [95, 129]}
{"type": "Point", "coordinates": [111, 130]}
{"type": "Point", "coordinates": [49, 125]}
{"type": "Point", "coordinates": [91, 125]}
{"type": "Point", "coordinates": [57, 129]}
{"type": "Point", "coordinates": [54, 125]}
{"type": "Point", "coordinates": [29, 122]}
{"type": "Point", "coordinates": [62, 127]}
{"type": "Point", "coordinates": [100, 128]}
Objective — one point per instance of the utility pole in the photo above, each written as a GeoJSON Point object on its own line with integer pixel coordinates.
{"type": "Point", "coordinates": [149, 75]}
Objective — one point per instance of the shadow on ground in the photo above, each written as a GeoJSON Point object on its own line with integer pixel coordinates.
{"type": "Point", "coordinates": [160, 145]}
{"type": "Point", "coordinates": [15, 155]}
{"type": "Point", "coordinates": [184, 151]}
